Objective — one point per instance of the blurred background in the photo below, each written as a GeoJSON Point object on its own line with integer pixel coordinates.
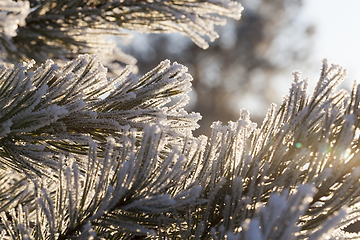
{"type": "Point", "coordinates": [250, 65]}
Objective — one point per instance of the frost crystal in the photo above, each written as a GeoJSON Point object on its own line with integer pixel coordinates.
{"type": "Point", "coordinates": [12, 15]}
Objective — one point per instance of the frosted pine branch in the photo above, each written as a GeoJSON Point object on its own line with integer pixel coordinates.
{"type": "Point", "coordinates": [295, 177]}
{"type": "Point", "coordinates": [84, 156]}
{"type": "Point", "coordinates": [63, 29]}
{"type": "Point", "coordinates": [124, 192]}
{"type": "Point", "coordinates": [269, 220]}
{"type": "Point", "coordinates": [308, 140]}
{"type": "Point", "coordinates": [193, 18]}
{"type": "Point", "coordinates": [54, 110]}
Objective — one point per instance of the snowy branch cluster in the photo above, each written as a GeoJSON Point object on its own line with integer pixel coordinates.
{"type": "Point", "coordinates": [89, 157]}
{"type": "Point", "coordinates": [63, 29]}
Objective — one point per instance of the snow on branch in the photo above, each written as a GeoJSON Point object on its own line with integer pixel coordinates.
{"type": "Point", "coordinates": [308, 140]}
{"type": "Point", "coordinates": [269, 220]}
{"type": "Point", "coordinates": [118, 164]}
{"type": "Point", "coordinates": [131, 191]}
{"type": "Point", "coordinates": [58, 109]}
{"type": "Point", "coordinates": [64, 29]}
{"type": "Point", "coordinates": [193, 18]}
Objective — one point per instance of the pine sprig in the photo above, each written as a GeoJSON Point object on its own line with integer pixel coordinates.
{"type": "Point", "coordinates": [64, 29]}
{"type": "Point", "coordinates": [309, 140]}
{"type": "Point", "coordinates": [54, 110]}
{"type": "Point", "coordinates": [150, 179]}
{"type": "Point", "coordinates": [120, 192]}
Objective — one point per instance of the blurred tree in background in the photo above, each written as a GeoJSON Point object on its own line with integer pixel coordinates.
{"type": "Point", "coordinates": [238, 69]}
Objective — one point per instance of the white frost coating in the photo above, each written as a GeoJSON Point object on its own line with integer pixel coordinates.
{"type": "Point", "coordinates": [324, 232]}
{"type": "Point", "coordinates": [39, 119]}
{"type": "Point", "coordinates": [194, 19]}
{"type": "Point", "coordinates": [12, 15]}
{"type": "Point", "coordinates": [104, 205]}
{"type": "Point", "coordinates": [269, 219]}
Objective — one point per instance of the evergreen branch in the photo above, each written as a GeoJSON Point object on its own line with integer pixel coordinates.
{"type": "Point", "coordinates": [193, 18]}
{"type": "Point", "coordinates": [300, 167]}
{"type": "Point", "coordinates": [119, 192]}
{"type": "Point", "coordinates": [309, 140]}
{"type": "Point", "coordinates": [54, 110]}
{"type": "Point", "coordinates": [64, 29]}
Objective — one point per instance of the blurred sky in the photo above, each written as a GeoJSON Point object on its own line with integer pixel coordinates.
{"type": "Point", "coordinates": [337, 35]}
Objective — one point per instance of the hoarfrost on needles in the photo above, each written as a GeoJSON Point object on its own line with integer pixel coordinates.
{"type": "Point", "coordinates": [86, 156]}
